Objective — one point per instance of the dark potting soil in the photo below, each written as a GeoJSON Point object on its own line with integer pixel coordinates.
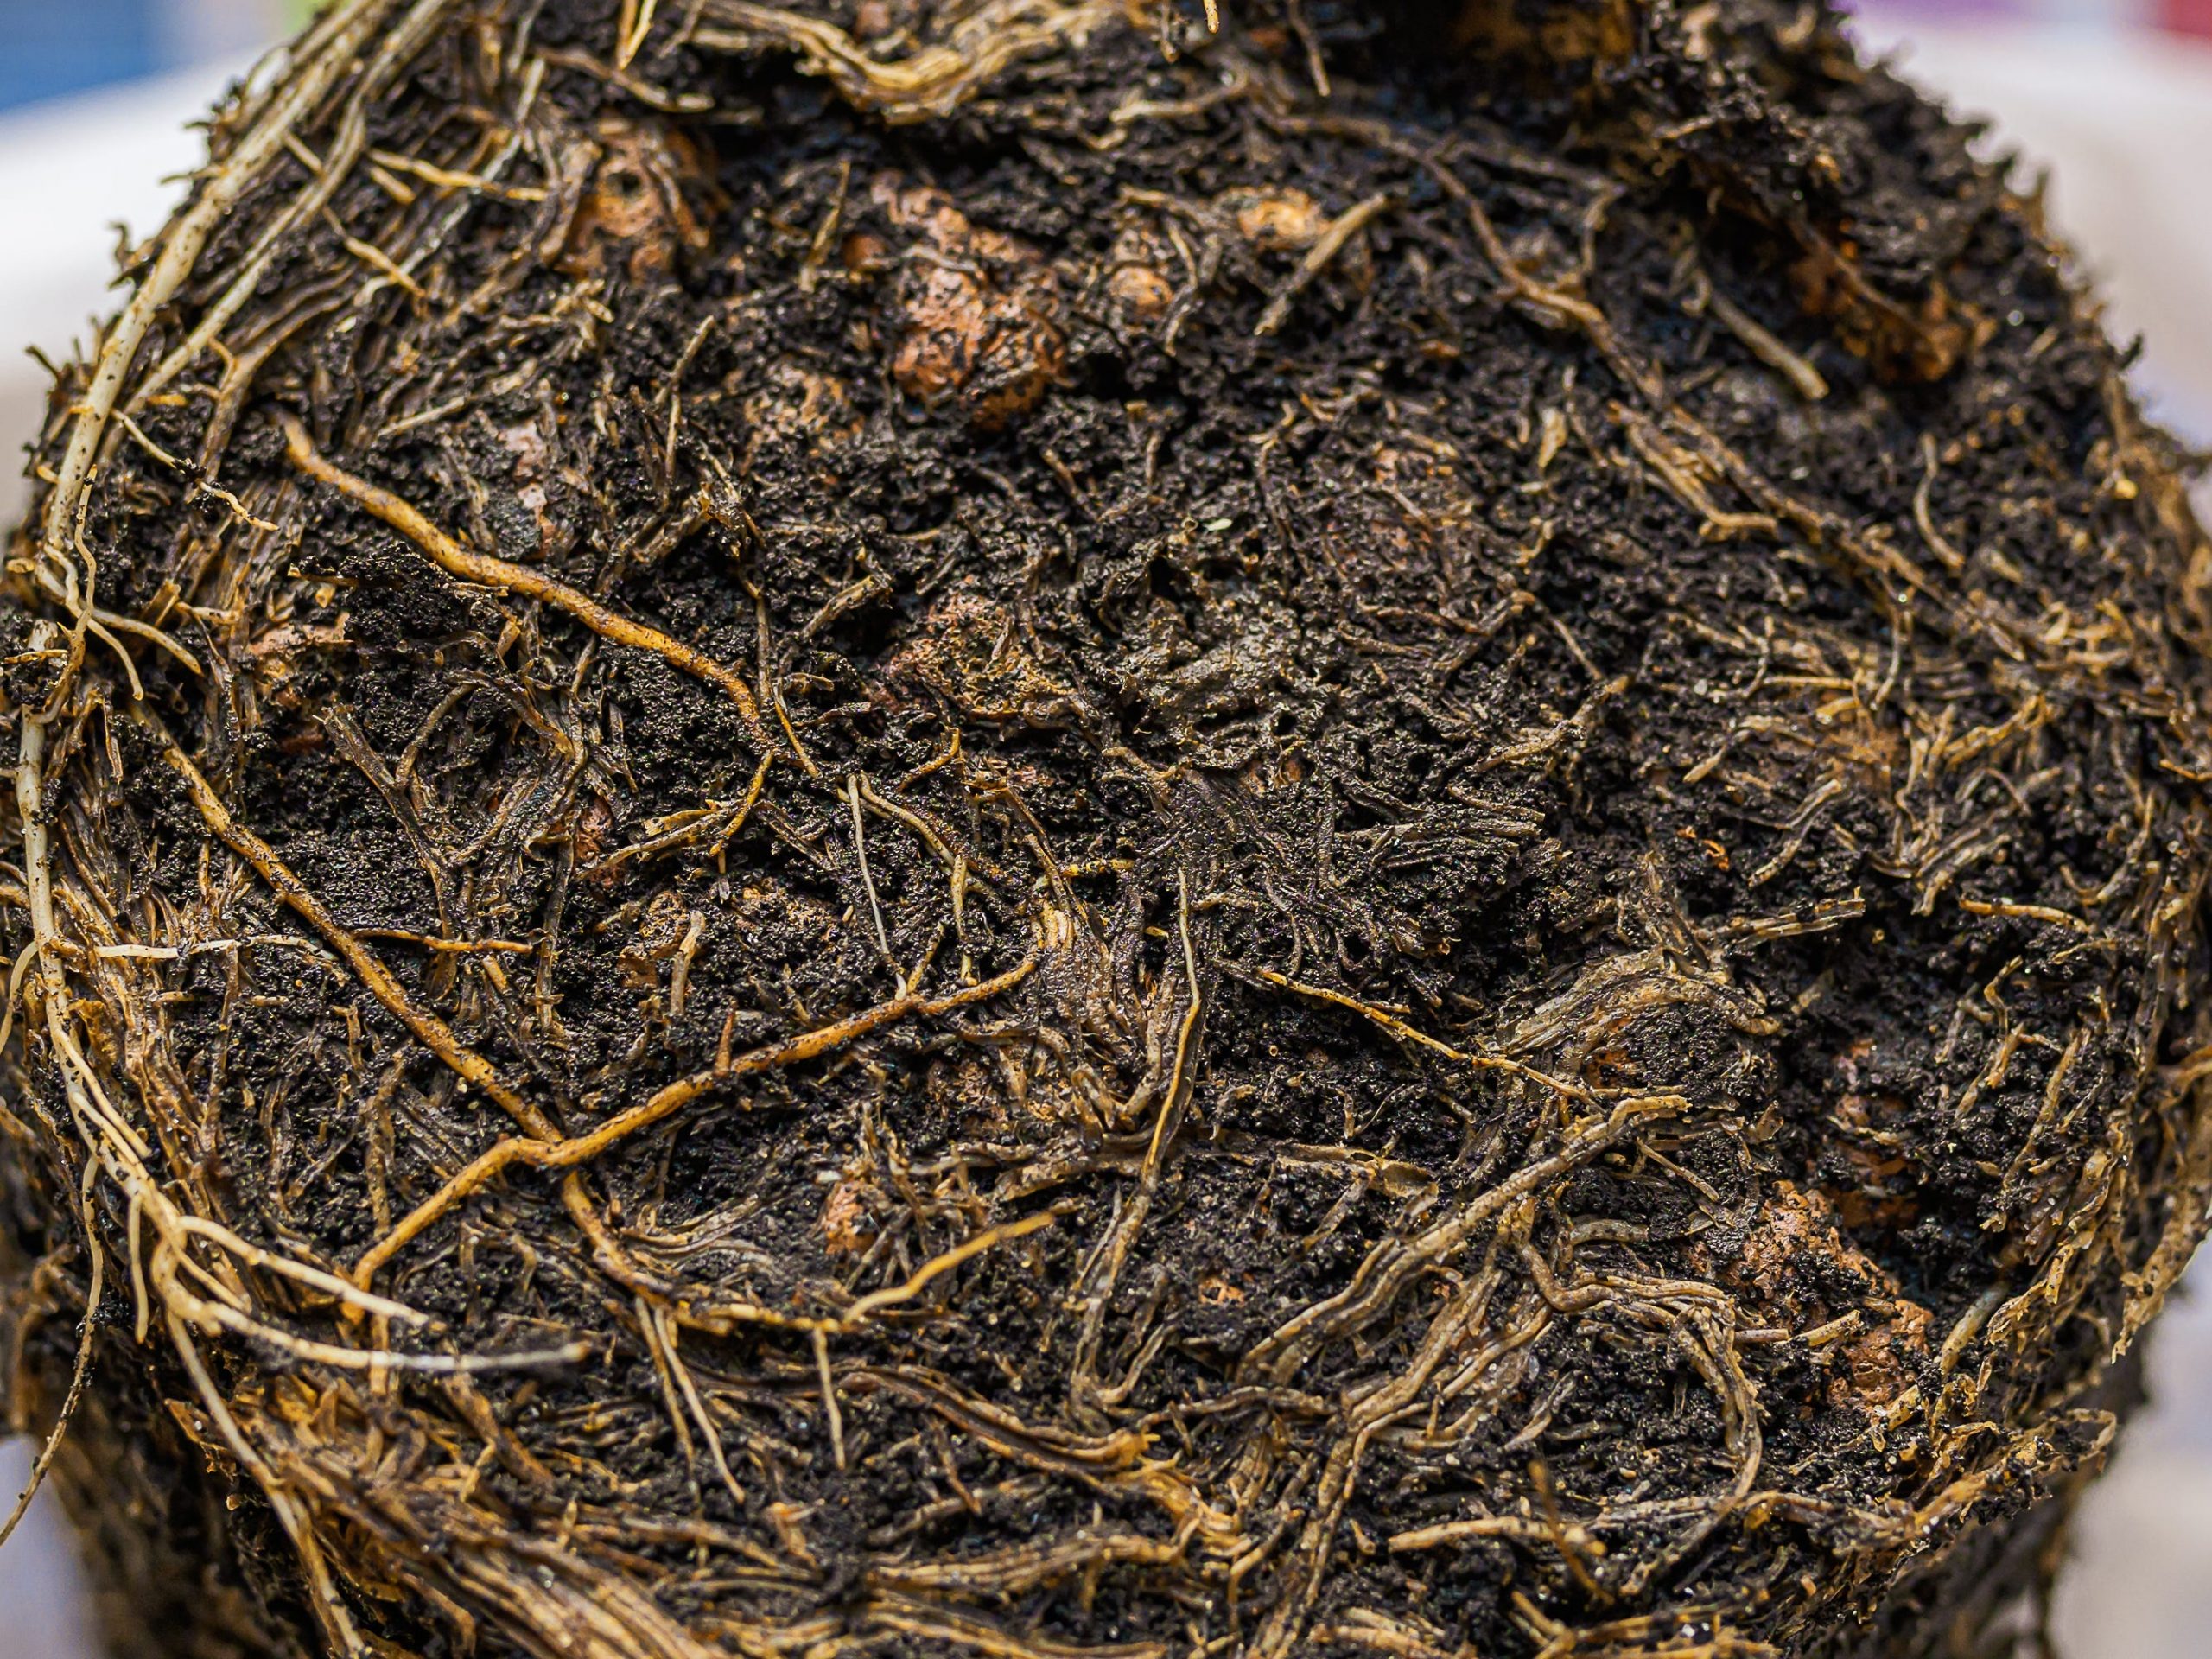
{"type": "Point", "coordinates": [1382, 836]}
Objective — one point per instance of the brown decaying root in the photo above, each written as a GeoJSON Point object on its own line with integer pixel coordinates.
{"type": "Point", "coordinates": [1247, 1540]}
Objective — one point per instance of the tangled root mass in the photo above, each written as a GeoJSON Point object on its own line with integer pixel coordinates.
{"type": "Point", "coordinates": [1012, 828]}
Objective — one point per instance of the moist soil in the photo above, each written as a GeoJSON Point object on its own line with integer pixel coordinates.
{"type": "Point", "coordinates": [1017, 830]}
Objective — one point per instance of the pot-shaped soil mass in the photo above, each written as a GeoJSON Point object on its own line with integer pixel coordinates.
{"type": "Point", "coordinates": [1040, 827]}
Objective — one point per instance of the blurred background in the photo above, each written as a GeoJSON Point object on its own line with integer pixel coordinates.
{"type": "Point", "coordinates": [2115, 96]}
{"type": "Point", "coordinates": [57, 47]}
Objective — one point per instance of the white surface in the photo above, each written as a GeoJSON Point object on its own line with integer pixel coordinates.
{"type": "Point", "coordinates": [76, 175]}
{"type": "Point", "coordinates": [40, 1614]}
{"type": "Point", "coordinates": [2128, 126]}
{"type": "Point", "coordinates": [69, 172]}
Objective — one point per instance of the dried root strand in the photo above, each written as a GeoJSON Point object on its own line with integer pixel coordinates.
{"type": "Point", "coordinates": [466, 564]}
{"type": "Point", "coordinates": [551, 1152]}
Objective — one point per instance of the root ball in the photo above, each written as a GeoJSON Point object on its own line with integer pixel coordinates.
{"type": "Point", "coordinates": [1013, 829]}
